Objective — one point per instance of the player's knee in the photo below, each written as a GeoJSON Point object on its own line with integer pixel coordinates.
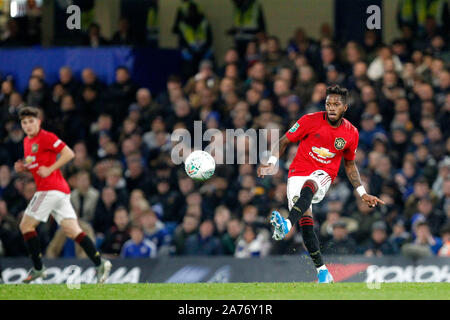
{"type": "Point", "coordinates": [26, 227]}
{"type": "Point", "coordinates": [311, 184]}
{"type": "Point", "coordinates": [71, 230]}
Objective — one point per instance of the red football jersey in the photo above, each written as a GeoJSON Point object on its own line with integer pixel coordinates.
{"type": "Point", "coordinates": [42, 150]}
{"type": "Point", "coordinates": [321, 145]}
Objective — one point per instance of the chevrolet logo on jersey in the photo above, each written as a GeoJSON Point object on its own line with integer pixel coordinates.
{"type": "Point", "coordinates": [30, 159]}
{"type": "Point", "coordinates": [323, 152]}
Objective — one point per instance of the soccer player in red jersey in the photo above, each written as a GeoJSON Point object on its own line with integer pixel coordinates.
{"type": "Point", "coordinates": [52, 196]}
{"type": "Point", "coordinates": [325, 138]}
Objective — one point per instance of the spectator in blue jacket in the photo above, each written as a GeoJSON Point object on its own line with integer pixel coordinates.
{"type": "Point", "coordinates": [138, 246]}
{"type": "Point", "coordinates": [424, 244]}
{"type": "Point", "coordinates": [155, 230]}
{"type": "Point", "coordinates": [369, 129]}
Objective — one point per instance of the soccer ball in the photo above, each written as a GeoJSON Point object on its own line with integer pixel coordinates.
{"type": "Point", "coordinates": [200, 165]}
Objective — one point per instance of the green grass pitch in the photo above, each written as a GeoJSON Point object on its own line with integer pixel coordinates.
{"type": "Point", "coordinates": [229, 291]}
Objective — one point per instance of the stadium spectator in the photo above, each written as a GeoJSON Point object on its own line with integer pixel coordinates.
{"type": "Point", "coordinates": [333, 217]}
{"type": "Point", "coordinates": [194, 38]}
{"type": "Point", "coordinates": [114, 179]}
{"type": "Point", "coordinates": [138, 204]}
{"type": "Point", "coordinates": [204, 242]}
{"type": "Point", "coordinates": [138, 246]}
{"type": "Point", "coordinates": [120, 94]}
{"type": "Point", "coordinates": [68, 124]}
{"type": "Point", "coordinates": [68, 81]}
{"type": "Point", "coordinates": [104, 211]}
{"type": "Point", "coordinates": [13, 36]}
{"type": "Point", "coordinates": [439, 185]}
{"type": "Point", "coordinates": [147, 108]}
{"type": "Point", "coordinates": [424, 244]}
{"type": "Point", "coordinates": [7, 190]}
{"type": "Point", "coordinates": [366, 218]}
{"type": "Point", "coordinates": [124, 35]}
{"type": "Point", "coordinates": [230, 237]}
{"type": "Point", "coordinates": [26, 192]}
{"type": "Point", "coordinates": [136, 174]}
{"type": "Point", "coordinates": [302, 45]}
{"type": "Point", "coordinates": [248, 21]}
{"type": "Point", "coordinates": [187, 228]}
{"type": "Point", "coordinates": [36, 94]}
{"type": "Point", "coordinates": [155, 231]}
{"type": "Point", "coordinates": [378, 65]}
{"type": "Point", "coordinates": [427, 212]}
{"type": "Point", "coordinates": [444, 251]}
{"type": "Point", "coordinates": [341, 243]}
{"type": "Point", "coordinates": [420, 190]}
{"type": "Point", "coordinates": [9, 234]}
{"type": "Point", "coordinates": [378, 245]}
{"type": "Point", "coordinates": [252, 244]}
{"type": "Point", "coordinates": [222, 216]}
{"type": "Point", "coordinates": [93, 38]}
{"type": "Point", "coordinates": [118, 234]}
{"type": "Point", "coordinates": [7, 88]}
{"type": "Point", "coordinates": [399, 234]}
{"type": "Point", "coordinates": [84, 197]}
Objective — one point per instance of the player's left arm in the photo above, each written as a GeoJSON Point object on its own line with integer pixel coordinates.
{"type": "Point", "coordinates": [65, 156]}
{"type": "Point", "coordinates": [353, 175]}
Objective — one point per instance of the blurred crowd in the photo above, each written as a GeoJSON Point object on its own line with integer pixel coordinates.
{"type": "Point", "coordinates": [135, 202]}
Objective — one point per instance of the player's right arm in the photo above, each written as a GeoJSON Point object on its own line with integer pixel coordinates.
{"type": "Point", "coordinates": [278, 150]}
{"type": "Point", "coordinates": [296, 133]}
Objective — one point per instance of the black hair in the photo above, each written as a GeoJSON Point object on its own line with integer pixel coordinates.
{"type": "Point", "coordinates": [336, 89]}
{"type": "Point", "coordinates": [174, 78]}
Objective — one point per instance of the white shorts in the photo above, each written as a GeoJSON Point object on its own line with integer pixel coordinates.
{"type": "Point", "coordinates": [295, 185]}
{"type": "Point", "coordinates": [52, 202]}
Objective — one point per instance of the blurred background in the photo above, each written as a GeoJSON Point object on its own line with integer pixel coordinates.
{"type": "Point", "coordinates": [116, 89]}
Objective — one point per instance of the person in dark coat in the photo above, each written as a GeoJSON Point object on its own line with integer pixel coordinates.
{"type": "Point", "coordinates": [204, 242]}
{"type": "Point", "coordinates": [378, 245]}
{"type": "Point", "coordinates": [341, 243]}
{"type": "Point", "coordinates": [118, 234]}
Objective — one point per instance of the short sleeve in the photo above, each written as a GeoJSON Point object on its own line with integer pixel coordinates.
{"type": "Point", "coordinates": [54, 143]}
{"type": "Point", "coordinates": [300, 129]}
{"type": "Point", "coordinates": [350, 151]}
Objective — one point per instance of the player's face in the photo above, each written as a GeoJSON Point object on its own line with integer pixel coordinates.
{"type": "Point", "coordinates": [31, 126]}
{"type": "Point", "coordinates": [335, 108]}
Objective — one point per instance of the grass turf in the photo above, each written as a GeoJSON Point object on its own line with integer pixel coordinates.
{"type": "Point", "coordinates": [228, 291]}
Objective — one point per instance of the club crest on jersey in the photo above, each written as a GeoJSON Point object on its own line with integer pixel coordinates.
{"type": "Point", "coordinates": [34, 147]}
{"type": "Point", "coordinates": [294, 128]}
{"type": "Point", "coordinates": [339, 143]}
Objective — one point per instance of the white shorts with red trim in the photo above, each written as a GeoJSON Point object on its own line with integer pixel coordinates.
{"type": "Point", "coordinates": [52, 202]}
{"type": "Point", "coordinates": [295, 185]}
